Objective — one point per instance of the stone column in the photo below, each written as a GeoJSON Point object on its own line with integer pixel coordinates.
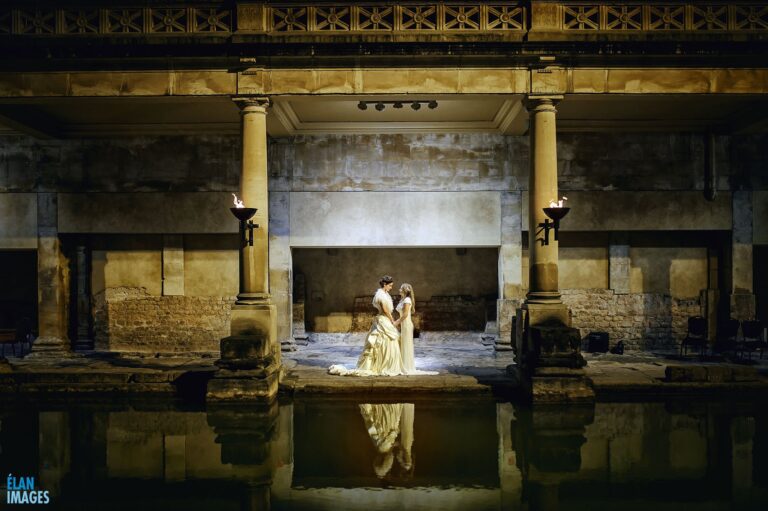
{"type": "Point", "coordinates": [52, 282]}
{"type": "Point", "coordinates": [250, 356]}
{"type": "Point", "coordinates": [543, 285]}
{"type": "Point", "coordinates": [84, 337]}
{"type": "Point", "coordinates": [254, 194]}
{"type": "Point", "coordinates": [547, 349]}
{"type": "Point", "coordinates": [742, 292]}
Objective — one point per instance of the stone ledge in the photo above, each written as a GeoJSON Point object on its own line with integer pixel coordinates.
{"type": "Point", "coordinates": [710, 373]}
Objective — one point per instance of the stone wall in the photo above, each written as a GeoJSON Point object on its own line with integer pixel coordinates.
{"type": "Point", "coordinates": [131, 320]}
{"type": "Point", "coordinates": [438, 314]}
{"type": "Point", "coordinates": [641, 320]}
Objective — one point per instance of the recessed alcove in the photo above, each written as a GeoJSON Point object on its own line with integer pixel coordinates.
{"type": "Point", "coordinates": [456, 287]}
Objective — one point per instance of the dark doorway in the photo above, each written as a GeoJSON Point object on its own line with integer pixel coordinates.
{"type": "Point", "coordinates": [760, 274]}
{"type": "Point", "coordinates": [18, 290]}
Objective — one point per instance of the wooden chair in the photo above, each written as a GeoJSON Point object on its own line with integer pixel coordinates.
{"type": "Point", "coordinates": [696, 337]}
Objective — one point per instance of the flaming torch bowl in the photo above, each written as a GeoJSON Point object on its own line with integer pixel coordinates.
{"type": "Point", "coordinates": [556, 214]}
{"type": "Point", "coordinates": [243, 214]}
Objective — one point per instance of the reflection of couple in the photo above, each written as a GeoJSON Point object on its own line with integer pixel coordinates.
{"type": "Point", "coordinates": [387, 352]}
{"type": "Point", "coordinates": [390, 427]}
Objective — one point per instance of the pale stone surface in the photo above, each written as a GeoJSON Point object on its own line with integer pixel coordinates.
{"type": "Point", "coordinates": [642, 210]}
{"type": "Point", "coordinates": [619, 265]}
{"type": "Point", "coordinates": [18, 220]}
{"type": "Point", "coordinates": [330, 219]}
{"type": "Point", "coordinates": [583, 267]}
{"type": "Point", "coordinates": [211, 265]}
{"type": "Point", "coordinates": [281, 263]}
{"type": "Point", "coordinates": [173, 265]}
{"type": "Point", "coordinates": [135, 263]}
{"type": "Point", "coordinates": [679, 271]}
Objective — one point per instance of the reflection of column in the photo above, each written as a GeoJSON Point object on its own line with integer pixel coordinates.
{"type": "Point", "coordinates": [52, 281]}
{"type": "Point", "coordinates": [509, 474]}
{"type": "Point", "coordinates": [742, 434]}
{"type": "Point", "coordinates": [254, 194]}
{"type": "Point", "coordinates": [542, 188]}
{"type": "Point", "coordinates": [742, 294]}
{"type": "Point", "coordinates": [54, 451]}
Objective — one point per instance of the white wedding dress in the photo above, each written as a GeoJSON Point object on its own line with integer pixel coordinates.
{"type": "Point", "coordinates": [406, 339]}
{"type": "Point", "coordinates": [381, 353]}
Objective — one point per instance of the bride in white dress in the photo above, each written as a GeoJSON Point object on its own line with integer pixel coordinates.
{"type": "Point", "coordinates": [405, 308]}
{"type": "Point", "coordinates": [381, 353]}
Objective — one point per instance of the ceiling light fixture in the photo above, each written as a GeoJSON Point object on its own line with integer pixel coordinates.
{"type": "Point", "coordinates": [415, 104]}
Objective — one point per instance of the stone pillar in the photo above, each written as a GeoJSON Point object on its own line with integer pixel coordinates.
{"type": "Point", "coordinates": [254, 194]}
{"type": "Point", "coordinates": [543, 285]}
{"type": "Point", "coordinates": [510, 267]}
{"type": "Point", "coordinates": [52, 282]}
{"type": "Point", "coordinates": [173, 265]}
{"type": "Point", "coordinates": [84, 338]}
{"type": "Point", "coordinates": [281, 266]}
{"type": "Point", "coordinates": [250, 356]}
{"type": "Point", "coordinates": [742, 293]}
{"type": "Point", "coordinates": [547, 349]}
{"type": "Point", "coordinates": [619, 264]}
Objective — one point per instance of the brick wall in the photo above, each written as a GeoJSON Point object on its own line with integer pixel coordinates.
{"type": "Point", "coordinates": [131, 320]}
{"type": "Point", "coordinates": [641, 320]}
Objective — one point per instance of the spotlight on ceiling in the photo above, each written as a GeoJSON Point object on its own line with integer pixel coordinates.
{"type": "Point", "coordinates": [415, 105]}
{"type": "Point", "coordinates": [379, 106]}
{"type": "Point", "coordinates": [432, 104]}
{"type": "Point", "coordinates": [398, 104]}
{"type": "Point", "coordinates": [362, 105]}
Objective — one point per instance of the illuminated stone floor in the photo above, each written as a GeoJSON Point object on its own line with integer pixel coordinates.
{"type": "Point", "coordinates": [463, 362]}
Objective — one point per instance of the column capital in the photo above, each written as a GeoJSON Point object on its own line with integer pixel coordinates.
{"type": "Point", "coordinates": [252, 104]}
{"type": "Point", "coordinates": [546, 103]}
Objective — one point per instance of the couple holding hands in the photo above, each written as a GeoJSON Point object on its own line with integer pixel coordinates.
{"type": "Point", "coordinates": [387, 351]}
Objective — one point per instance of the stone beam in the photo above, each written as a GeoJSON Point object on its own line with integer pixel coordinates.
{"type": "Point", "coordinates": [406, 80]}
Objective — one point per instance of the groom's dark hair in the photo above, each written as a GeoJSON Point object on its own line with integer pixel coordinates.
{"type": "Point", "coordinates": [386, 279]}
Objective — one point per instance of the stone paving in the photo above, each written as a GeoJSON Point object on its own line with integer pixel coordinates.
{"type": "Point", "coordinates": [465, 363]}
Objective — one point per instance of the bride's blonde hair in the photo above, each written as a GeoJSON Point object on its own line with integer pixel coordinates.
{"type": "Point", "coordinates": [407, 289]}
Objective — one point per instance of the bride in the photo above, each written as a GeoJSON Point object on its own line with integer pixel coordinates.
{"type": "Point", "coordinates": [381, 354]}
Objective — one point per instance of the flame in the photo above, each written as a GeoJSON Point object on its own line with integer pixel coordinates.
{"type": "Point", "coordinates": [238, 202]}
{"type": "Point", "coordinates": [558, 204]}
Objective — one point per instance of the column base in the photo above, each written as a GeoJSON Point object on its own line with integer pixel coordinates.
{"type": "Point", "coordinates": [548, 355]}
{"type": "Point", "coordinates": [50, 347]}
{"type": "Point", "coordinates": [250, 357]}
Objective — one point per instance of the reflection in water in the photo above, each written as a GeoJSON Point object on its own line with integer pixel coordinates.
{"type": "Point", "coordinates": [448, 454]}
{"type": "Point", "coordinates": [390, 427]}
